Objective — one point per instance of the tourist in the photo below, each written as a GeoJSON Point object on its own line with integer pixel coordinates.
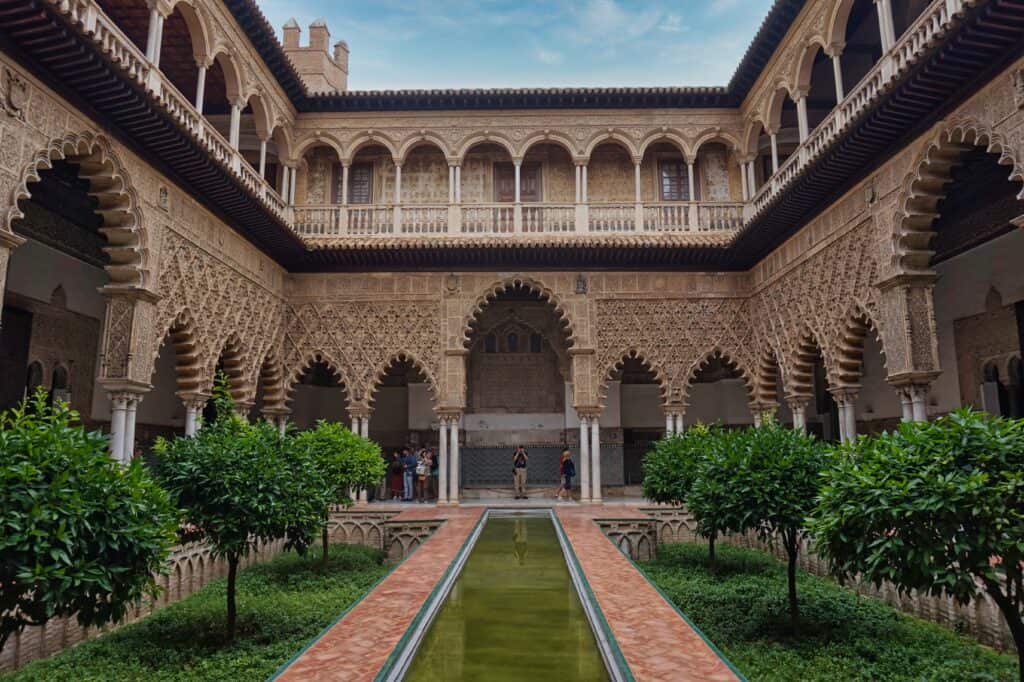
{"type": "Point", "coordinates": [423, 467]}
{"type": "Point", "coordinates": [435, 468]}
{"type": "Point", "coordinates": [395, 469]}
{"type": "Point", "coordinates": [566, 472]}
{"type": "Point", "coordinates": [408, 473]}
{"type": "Point", "coordinates": [519, 462]}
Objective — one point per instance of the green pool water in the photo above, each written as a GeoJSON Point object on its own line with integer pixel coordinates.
{"type": "Point", "coordinates": [512, 614]}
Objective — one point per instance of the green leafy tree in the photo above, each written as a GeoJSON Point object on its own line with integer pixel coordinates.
{"type": "Point", "coordinates": [936, 507]}
{"type": "Point", "coordinates": [79, 533]}
{"type": "Point", "coordinates": [240, 484]}
{"type": "Point", "coordinates": [775, 483]}
{"type": "Point", "coordinates": [670, 467]}
{"type": "Point", "coordinates": [346, 461]}
{"type": "Point", "coordinates": [711, 500]}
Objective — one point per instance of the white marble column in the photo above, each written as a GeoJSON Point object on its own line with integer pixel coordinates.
{"type": "Point", "coordinates": [154, 35]}
{"type": "Point", "coordinates": [458, 184]}
{"type": "Point", "coordinates": [118, 416]}
{"type": "Point", "coordinates": [636, 180]}
{"type": "Point", "coordinates": [200, 87]}
{"type": "Point", "coordinates": [364, 426]}
{"type": "Point", "coordinates": [132, 407]}
{"type": "Point", "coordinates": [837, 76]}
{"type": "Point", "coordinates": [263, 157]}
{"type": "Point", "coordinates": [584, 459]}
{"type": "Point", "coordinates": [194, 404]}
{"type": "Point", "coordinates": [595, 457]}
{"type": "Point", "coordinates": [584, 182]}
{"type": "Point", "coordinates": [518, 181]}
{"type": "Point", "coordinates": [398, 184]}
{"type": "Point", "coordinates": [774, 137]}
{"type": "Point", "coordinates": [453, 455]}
{"type": "Point", "coordinates": [886, 27]}
{"type": "Point", "coordinates": [579, 184]}
{"type": "Point", "coordinates": [801, 115]}
{"type": "Point", "coordinates": [295, 184]}
{"type": "Point", "coordinates": [906, 403]}
{"type": "Point", "coordinates": [678, 427]}
{"type": "Point", "coordinates": [743, 181]}
{"type": "Point", "coordinates": [236, 123]}
{"type": "Point", "coordinates": [344, 183]}
{"type": "Point", "coordinates": [798, 406]}
{"type": "Point", "coordinates": [355, 425]}
{"type": "Point", "coordinates": [442, 464]}
{"type": "Point", "coordinates": [670, 424]}
{"type": "Point", "coordinates": [691, 179]}
{"type": "Point", "coordinates": [918, 401]}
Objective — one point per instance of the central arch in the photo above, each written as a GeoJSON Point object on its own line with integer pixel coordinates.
{"type": "Point", "coordinates": [542, 292]}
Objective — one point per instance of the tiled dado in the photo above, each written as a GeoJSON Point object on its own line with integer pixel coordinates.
{"type": "Point", "coordinates": [657, 643]}
{"type": "Point", "coordinates": [357, 646]}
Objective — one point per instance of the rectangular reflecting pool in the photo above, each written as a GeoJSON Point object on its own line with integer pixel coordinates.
{"type": "Point", "coordinates": [513, 613]}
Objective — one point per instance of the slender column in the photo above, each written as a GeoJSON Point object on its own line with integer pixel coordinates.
{"type": "Point", "coordinates": [774, 137]}
{"type": "Point", "coordinates": [194, 404]}
{"type": "Point", "coordinates": [918, 401]}
{"type": "Point", "coordinates": [453, 450]}
{"type": "Point", "coordinates": [906, 402]}
{"type": "Point", "coordinates": [118, 415]}
{"type": "Point", "coordinates": [886, 27]}
{"type": "Point", "coordinates": [282, 424]}
{"type": "Point", "coordinates": [295, 182]}
{"type": "Point", "coordinates": [442, 465]}
{"type": "Point", "coordinates": [285, 185]}
{"type": "Point", "coordinates": [679, 423]}
{"type": "Point", "coordinates": [364, 426]}
{"type": "Point", "coordinates": [584, 183]}
{"type": "Point", "coordinates": [236, 121]}
{"type": "Point", "coordinates": [153, 35]}
{"type": "Point", "coordinates": [757, 416]}
{"type": "Point", "coordinates": [355, 425]}
{"type": "Point", "coordinates": [584, 459]}
{"type": "Point", "coordinates": [851, 418]}
{"type": "Point", "coordinates": [200, 87]}
{"type": "Point", "coordinates": [670, 424]}
{"type": "Point", "coordinates": [691, 179]}
{"type": "Point", "coordinates": [798, 406]}
{"type": "Point", "coordinates": [743, 181]}
{"type": "Point", "coordinates": [579, 184]}
{"type": "Point", "coordinates": [636, 180]}
{"type": "Point", "coordinates": [398, 184]}
{"type": "Point", "coordinates": [846, 399]}
{"type": "Point", "coordinates": [344, 183]}
{"type": "Point", "coordinates": [159, 41]}
{"type": "Point", "coordinates": [837, 76]}
{"type": "Point", "coordinates": [263, 157]}
{"type": "Point", "coordinates": [458, 184]}
{"type": "Point", "coordinates": [518, 166]}
{"type": "Point", "coordinates": [752, 180]}
{"type": "Point", "coordinates": [595, 455]}
{"type": "Point", "coordinates": [451, 184]}
{"type": "Point", "coordinates": [801, 115]}
{"type": "Point", "coordinates": [132, 406]}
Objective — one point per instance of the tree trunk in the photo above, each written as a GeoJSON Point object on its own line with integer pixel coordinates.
{"type": "Point", "coordinates": [232, 608]}
{"type": "Point", "coordinates": [711, 550]}
{"type": "Point", "coordinates": [793, 552]}
{"type": "Point", "coordinates": [323, 537]}
{"type": "Point", "coordinates": [1013, 620]}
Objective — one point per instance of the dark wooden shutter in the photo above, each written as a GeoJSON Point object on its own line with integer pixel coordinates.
{"type": "Point", "coordinates": [360, 183]}
{"type": "Point", "coordinates": [675, 183]}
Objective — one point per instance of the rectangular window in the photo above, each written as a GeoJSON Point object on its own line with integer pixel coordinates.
{"type": "Point", "coordinates": [675, 181]}
{"type": "Point", "coordinates": [360, 183]}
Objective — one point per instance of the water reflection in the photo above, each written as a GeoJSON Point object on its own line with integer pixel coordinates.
{"type": "Point", "coordinates": [519, 620]}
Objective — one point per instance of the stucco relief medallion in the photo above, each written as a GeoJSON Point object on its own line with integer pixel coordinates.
{"type": "Point", "coordinates": [15, 94]}
{"type": "Point", "coordinates": [452, 284]}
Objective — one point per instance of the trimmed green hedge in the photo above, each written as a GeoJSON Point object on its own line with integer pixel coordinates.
{"type": "Point", "coordinates": [843, 636]}
{"type": "Point", "coordinates": [282, 605]}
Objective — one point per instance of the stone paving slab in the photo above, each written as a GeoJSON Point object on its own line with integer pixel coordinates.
{"type": "Point", "coordinates": [357, 646]}
{"type": "Point", "coordinates": [657, 643]}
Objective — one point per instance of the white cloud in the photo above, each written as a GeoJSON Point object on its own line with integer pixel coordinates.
{"type": "Point", "coordinates": [672, 23]}
{"type": "Point", "coordinates": [546, 56]}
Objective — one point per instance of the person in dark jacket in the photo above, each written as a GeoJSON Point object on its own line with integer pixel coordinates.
{"type": "Point", "coordinates": [566, 472]}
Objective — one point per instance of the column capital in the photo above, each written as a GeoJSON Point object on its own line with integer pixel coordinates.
{"type": "Point", "coordinates": [126, 386]}
{"type": "Point", "coordinates": [194, 401]}
{"type": "Point", "coordinates": [590, 412]}
{"type": "Point", "coordinates": [449, 413]}
{"type": "Point", "coordinates": [361, 411]}
{"type": "Point", "coordinates": [845, 395]}
{"type": "Point", "coordinates": [275, 412]}
{"type": "Point", "coordinates": [798, 401]}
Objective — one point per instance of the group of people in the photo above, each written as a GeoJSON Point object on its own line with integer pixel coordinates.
{"type": "Point", "coordinates": [412, 474]}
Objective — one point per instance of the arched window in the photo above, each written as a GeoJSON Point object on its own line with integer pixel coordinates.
{"type": "Point", "coordinates": [512, 343]}
{"type": "Point", "coordinates": [60, 388]}
{"type": "Point", "coordinates": [33, 378]}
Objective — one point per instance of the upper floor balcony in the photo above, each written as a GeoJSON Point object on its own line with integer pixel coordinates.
{"type": "Point", "coordinates": [487, 191]}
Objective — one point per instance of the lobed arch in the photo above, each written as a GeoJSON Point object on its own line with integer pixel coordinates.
{"type": "Point", "coordinates": [543, 292]}
{"type": "Point", "coordinates": [423, 139]}
{"type": "Point", "coordinates": [671, 136]}
{"type": "Point", "coordinates": [549, 137]}
{"type": "Point", "coordinates": [271, 376]}
{"type": "Point", "coordinates": [613, 136]}
{"type": "Point", "coordinates": [195, 22]}
{"type": "Point", "coordinates": [234, 356]}
{"type": "Point", "coordinates": [727, 359]}
{"type": "Point", "coordinates": [127, 240]}
{"type": "Point", "coordinates": [849, 346]}
{"type": "Point", "coordinates": [659, 374]}
{"type": "Point", "coordinates": [188, 365]}
{"type": "Point", "coordinates": [924, 187]}
{"type": "Point", "coordinates": [716, 135]}
{"type": "Point", "coordinates": [366, 139]}
{"type": "Point", "coordinates": [294, 375]}
{"type": "Point", "coordinates": [767, 376]}
{"type": "Point", "coordinates": [467, 144]}
{"type": "Point", "coordinates": [261, 116]}
{"type": "Point", "coordinates": [396, 358]}
{"type": "Point", "coordinates": [806, 349]}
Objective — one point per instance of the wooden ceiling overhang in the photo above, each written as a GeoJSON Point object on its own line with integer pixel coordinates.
{"type": "Point", "coordinates": [989, 37]}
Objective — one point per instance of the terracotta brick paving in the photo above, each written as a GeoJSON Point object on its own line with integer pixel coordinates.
{"type": "Point", "coordinates": [358, 645]}
{"type": "Point", "coordinates": [657, 643]}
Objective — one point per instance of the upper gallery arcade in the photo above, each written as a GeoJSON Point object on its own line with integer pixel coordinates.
{"type": "Point", "coordinates": [832, 236]}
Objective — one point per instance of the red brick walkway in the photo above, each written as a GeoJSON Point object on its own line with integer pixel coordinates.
{"type": "Point", "coordinates": [657, 643]}
{"type": "Point", "coordinates": [359, 644]}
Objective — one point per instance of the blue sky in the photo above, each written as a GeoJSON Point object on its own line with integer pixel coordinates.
{"type": "Point", "coordinates": [532, 43]}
